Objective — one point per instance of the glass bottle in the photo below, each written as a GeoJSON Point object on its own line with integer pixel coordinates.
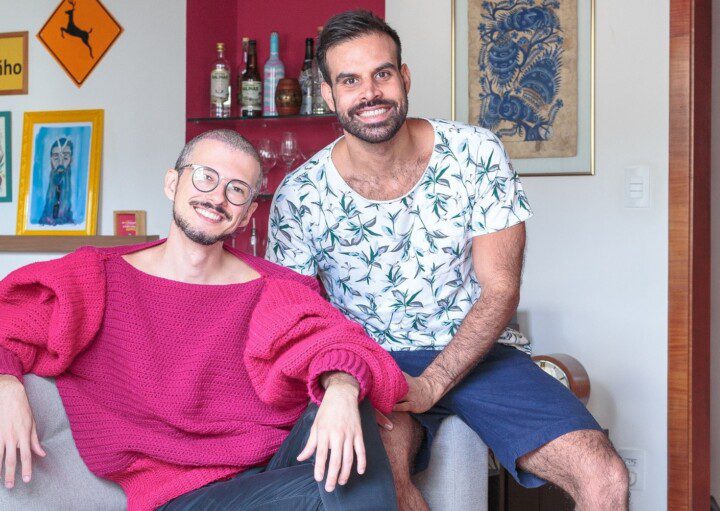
{"type": "Point", "coordinates": [319, 106]}
{"type": "Point", "coordinates": [242, 68]}
{"type": "Point", "coordinates": [251, 87]}
{"type": "Point", "coordinates": [274, 72]}
{"type": "Point", "coordinates": [306, 78]}
{"type": "Point", "coordinates": [220, 85]}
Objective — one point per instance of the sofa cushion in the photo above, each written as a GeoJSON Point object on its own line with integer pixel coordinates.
{"type": "Point", "coordinates": [60, 480]}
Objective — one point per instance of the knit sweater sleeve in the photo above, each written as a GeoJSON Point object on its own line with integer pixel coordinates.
{"type": "Point", "coordinates": [49, 312]}
{"type": "Point", "coordinates": [295, 336]}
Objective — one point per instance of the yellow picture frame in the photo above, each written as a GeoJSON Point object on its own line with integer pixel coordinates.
{"type": "Point", "coordinates": [60, 164]}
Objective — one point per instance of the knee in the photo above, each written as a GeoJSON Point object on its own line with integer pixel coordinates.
{"type": "Point", "coordinates": [609, 478]}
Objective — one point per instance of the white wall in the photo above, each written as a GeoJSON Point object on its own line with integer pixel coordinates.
{"type": "Point", "coordinates": [715, 258]}
{"type": "Point", "coordinates": [596, 276]}
{"type": "Point", "coordinates": [140, 83]}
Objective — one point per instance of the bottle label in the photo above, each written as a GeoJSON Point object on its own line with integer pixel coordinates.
{"type": "Point", "coordinates": [219, 85]}
{"type": "Point", "coordinates": [251, 95]}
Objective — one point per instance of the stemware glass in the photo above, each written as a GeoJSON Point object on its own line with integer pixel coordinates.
{"type": "Point", "coordinates": [290, 150]}
{"type": "Point", "coordinates": [268, 152]}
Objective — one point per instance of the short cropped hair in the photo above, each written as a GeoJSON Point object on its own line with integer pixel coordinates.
{"type": "Point", "coordinates": [230, 138]}
{"type": "Point", "coordinates": [352, 25]}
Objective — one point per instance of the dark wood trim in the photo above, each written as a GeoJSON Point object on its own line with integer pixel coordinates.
{"type": "Point", "coordinates": [689, 256]}
{"type": "Point", "coordinates": [62, 244]}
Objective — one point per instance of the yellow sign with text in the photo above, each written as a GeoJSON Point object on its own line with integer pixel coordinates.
{"type": "Point", "coordinates": [13, 63]}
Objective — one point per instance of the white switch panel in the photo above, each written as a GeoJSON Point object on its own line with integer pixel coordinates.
{"type": "Point", "coordinates": [635, 462]}
{"type": "Point", "coordinates": [637, 186]}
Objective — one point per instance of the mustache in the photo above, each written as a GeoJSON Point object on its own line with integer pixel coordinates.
{"type": "Point", "coordinates": [209, 205]}
{"type": "Point", "coordinates": [369, 104]}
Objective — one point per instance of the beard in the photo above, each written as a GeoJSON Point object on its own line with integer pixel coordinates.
{"type": "Point", "coordinates": [379, 132]}
{"type": "Point", "coordinates": [195, 235]}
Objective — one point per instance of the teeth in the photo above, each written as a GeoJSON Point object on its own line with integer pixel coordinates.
{"type": "Point", "coordinates": [207, 214]}
{"type": "Point", "coordinates": [372, 113]}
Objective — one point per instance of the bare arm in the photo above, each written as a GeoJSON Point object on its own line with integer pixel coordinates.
{"type": "Point", "coordinates": [497, 261]}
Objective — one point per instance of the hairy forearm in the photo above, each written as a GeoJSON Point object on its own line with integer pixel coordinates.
{"type": "Point", "coordinates": [476, 335]}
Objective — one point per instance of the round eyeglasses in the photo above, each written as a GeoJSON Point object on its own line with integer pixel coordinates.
{"type": "Point", "coordinates": [206, 179]}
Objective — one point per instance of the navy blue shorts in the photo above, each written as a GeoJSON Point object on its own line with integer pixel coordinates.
{"type": "Point", "coordinates": [508, 401]}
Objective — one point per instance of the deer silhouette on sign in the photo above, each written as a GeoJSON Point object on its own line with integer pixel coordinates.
{"type": "Point", "coordinates": [73, 30]}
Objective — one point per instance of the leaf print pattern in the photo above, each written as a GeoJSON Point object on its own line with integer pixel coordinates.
{"type": "Point", "coordinates": [400, 268]}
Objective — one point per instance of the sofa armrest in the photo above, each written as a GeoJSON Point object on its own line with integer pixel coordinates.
{"type": "Point", "coordinates": [457, 477]}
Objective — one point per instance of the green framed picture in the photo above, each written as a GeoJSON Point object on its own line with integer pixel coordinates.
{"type": "Point", "coordinates": [5, 157]}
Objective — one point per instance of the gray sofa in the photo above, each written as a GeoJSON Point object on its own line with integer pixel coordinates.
{"type": "Point", "coordinates": [455, 481]}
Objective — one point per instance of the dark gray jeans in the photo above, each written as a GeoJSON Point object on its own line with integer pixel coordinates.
{"type": "Point", "coordinates": [286, 484]}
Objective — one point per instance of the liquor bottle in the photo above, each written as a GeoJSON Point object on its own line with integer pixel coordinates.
{"type": "Point", "coordinates": [220, 85]}
{"type": "Point", "coordinates": [274, 71]}
{"type": "Point", "coordinates": [251, 87]}
{"type": "Point", "coordinates": [319, 106]}
{"type": "Point", "coordinates": [241, 69]}
{"type": "Point", "coordinates": [306, 78]}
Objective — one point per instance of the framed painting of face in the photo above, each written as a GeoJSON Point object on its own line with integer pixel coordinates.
{"type": "Point", "coordinates": [60, 172]}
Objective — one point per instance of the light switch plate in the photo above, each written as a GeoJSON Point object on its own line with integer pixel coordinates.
{"type": "Point", "coordinates": [637, 186]}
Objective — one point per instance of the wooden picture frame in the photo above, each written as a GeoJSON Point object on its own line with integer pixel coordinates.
{"type": "Point", "coordinates": [5, 157]}
{"type": "Point", "coordinates": [130, 223]}
{"type": "Point", "coordinates": [12, 43]}
{"type": "Point", "coordinates": [60, 173]}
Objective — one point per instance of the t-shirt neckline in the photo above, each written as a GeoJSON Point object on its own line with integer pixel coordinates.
{"type": "Point", "coordinates": [334, 175]}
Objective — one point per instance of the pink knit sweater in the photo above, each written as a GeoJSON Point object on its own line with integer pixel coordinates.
{"type": "Point", "coordinates": [170, 386]}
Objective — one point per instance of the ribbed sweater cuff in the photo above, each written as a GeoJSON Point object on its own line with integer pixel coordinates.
{"type": "Point", "coordinates": [10, 363]}
{"type": "Point", "coordinates": [338, 360]}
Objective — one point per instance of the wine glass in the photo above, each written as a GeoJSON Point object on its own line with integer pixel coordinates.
{"type": "Point", "coordinates": [289, 150]}
{"type": "Point", "coordinates": [267, 150]}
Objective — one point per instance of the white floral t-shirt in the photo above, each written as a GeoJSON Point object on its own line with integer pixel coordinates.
{"type": "Point", "coordinates": [401, 268]}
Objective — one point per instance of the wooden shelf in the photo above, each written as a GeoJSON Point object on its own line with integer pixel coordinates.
{"type": "Point", "coordinates": [51, 244]}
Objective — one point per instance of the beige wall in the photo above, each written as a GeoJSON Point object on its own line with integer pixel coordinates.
{"type": "Point", "coordinates": [140, 83]}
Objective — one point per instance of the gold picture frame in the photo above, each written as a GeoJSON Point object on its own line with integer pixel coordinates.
{"type": "Point", "coordinates": [458, 79]}
{"type": "Point", "coordinates": [60, 173]}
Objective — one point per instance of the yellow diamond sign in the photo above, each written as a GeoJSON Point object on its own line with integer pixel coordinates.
{"type": "Point", "coordinates": [78, 34]}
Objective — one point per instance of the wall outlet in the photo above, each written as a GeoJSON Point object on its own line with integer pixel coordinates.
{"type": "Point", "coordinates": [637, 186]}
{"type": "Point", "coordinates": [635, 462]}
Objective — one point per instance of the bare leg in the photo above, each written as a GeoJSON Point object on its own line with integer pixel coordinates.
{"type": "Point", "coordinates": [585, 465]}
{"type": "Point", "coordinates": [402, 444]}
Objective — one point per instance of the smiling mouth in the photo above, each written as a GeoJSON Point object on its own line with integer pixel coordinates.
{"type": "Point", "coordinates": [208, 215]}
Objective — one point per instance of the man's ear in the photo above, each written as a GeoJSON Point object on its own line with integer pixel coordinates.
{"type": "Point", "coordinates": [248, 215]}
{"type": "Point", "coordinates": [170, 183]}
{"type": "Point", "coordinates": [327, 95]}
{"type": "Point", "coordinates": [405, 73]}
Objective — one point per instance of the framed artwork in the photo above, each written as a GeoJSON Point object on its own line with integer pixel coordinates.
{"type": "Point", "coordinates": [5, 157]}
{"type": "Point", "coordinates": [524, 69]}
{"type": "Point", "coordinates": [60, 172]}
{"type": "Point", "coordinates": [129, 223]}
{"type": "Point", "coordinates": [14, 63]}
{"type": "Point", "coordinates": [78, 34]}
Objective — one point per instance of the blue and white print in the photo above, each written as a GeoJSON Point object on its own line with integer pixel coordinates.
{"type": "Point", "coordinates": [402, 268]}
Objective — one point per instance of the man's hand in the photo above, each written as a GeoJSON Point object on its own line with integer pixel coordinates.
{"type": "Point", "coordinates": [337, 429]}
{"type": "Point", "coordinates": [17, 430]}
{"type": "Point", "coordinates": [422, 395]}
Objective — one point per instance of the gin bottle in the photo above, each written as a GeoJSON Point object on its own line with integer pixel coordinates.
{"type": "Point", "coordinates": [319, 106]}
{"type": "Point", "coordinates": [306, 78]}
{"type": "Point", "coordinates": [220, 85]}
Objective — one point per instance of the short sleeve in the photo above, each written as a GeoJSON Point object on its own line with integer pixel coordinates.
{"type": "Point", "coordinates": [499, 198]}
{"type": "Point", "coordinates": [288, 243]}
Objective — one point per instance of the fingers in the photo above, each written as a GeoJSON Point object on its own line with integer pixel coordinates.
{"type": "Point", "coordinates": [310, 446]}
{"type": "Point", "coordinates": [405, 406]}
{"type": "Point", "coordinates": [347, 461]}
{"type": "Point", "coordinates": [25, 459]}
{"type": "Point", "coordinates": [360, 451]}
{"type": "Point", "coordinates": [321, 455]}
{"type": "Point", "coordinates": [35, 442]}
{"type": "Point", "coordinates": [336, 454]}
{"type": "Point", "coordinates": [10, 461]}
{"type": "Point", "coordinates": [383, 421]}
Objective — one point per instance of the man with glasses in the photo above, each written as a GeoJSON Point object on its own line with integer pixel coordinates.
{"type": "Point", "coordinates": [183, 365]}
